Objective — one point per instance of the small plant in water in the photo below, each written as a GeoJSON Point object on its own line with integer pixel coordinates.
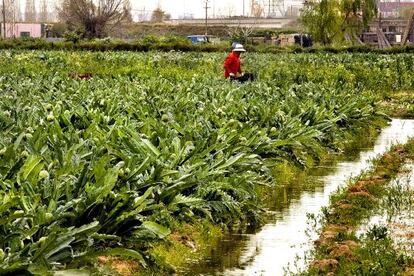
{"type": "Point", "coordinates": [377, 233]}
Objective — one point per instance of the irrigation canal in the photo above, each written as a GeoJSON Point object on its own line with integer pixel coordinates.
{"type": "Point", "coordinates": [279, 246]}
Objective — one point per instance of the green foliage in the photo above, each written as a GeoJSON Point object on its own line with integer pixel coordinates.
{"type": "Point", "coordinates": [357, 15]}
{"type": "Point", "coordinates": [375, 252]}
{"type": "Point", "coordinates": [399, 104]}
{"type": "Point", "coordinates": [72, 36]}
{"type": "Point", "coordinates": [57, 30]}
{"type": "Point", "coordinates": [90, 166]}
{"type": "Point", "coordinates": [167, 44]}
{"type": "Point", "coordinates": [330, 21]}
{"type": "Point", "coordinates": [322, 20]}
{"type": "Point", "coordinates": [377, 256]}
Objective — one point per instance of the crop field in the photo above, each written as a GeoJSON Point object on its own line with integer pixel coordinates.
{"type": "Point", "coordinates": [105, 153]}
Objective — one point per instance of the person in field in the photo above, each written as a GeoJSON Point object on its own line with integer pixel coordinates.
{"type": "Point", "coordinates": [232, 67]}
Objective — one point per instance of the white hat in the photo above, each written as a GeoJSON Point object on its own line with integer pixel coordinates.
{"type": "Point", "coordinates": [238, 48]}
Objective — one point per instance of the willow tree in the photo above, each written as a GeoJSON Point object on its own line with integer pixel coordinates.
{"type": "Point", "coordinates": [335, 20]}
{"type": "Point", "coordinates": [357, 14]}
{"type": "Point", "coordinates": [322, 19]}
{"type": "Point", "coordinates": [94, 16]}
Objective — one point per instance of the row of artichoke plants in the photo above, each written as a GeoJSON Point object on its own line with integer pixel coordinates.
{"type": "Point", "coordinates": [107, 165]}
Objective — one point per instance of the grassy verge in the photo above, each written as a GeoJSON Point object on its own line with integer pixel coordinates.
{"type": "Point", "coordinates": [399, 104]}
{"type": "Point", "coordinates": [187, 243]}
{"type": "Point", "coordinates": [338, 250]}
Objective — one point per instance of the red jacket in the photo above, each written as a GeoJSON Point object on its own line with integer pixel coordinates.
{"type": "Point", "coordinates": [232, 65]}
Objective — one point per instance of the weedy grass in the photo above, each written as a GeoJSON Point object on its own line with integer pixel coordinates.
{"type": "Point", "coordinates": [338, 249]}
{"type": "Point", "coordinates": [187, 244]}
{"type": "Point", "coordinates": [399, 104]}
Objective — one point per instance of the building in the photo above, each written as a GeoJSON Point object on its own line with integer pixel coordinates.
{"type": "Point", "coordinates": [18, 30]}
{"type": "Point", "coordinates": [391, 28]}
{"type": "Point", "coordinates": [389, 32]}
{"type": "Point", "coordinates": [394, 9]}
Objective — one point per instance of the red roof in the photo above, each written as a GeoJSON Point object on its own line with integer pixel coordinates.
{"type": "Point", "coordinates": [394, 6]}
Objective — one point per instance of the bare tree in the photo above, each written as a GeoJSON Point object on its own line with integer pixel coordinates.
{"type": "Point", "coordinates": [17, 11]}
{"type": "Point", "coordinates": [242, 31]}
{"type": "Point", "coordinates": [239, 29]}
{"type": "Point", "coordinates": [94, 16]}
{"type": "Point", "coordinates": [43, 15]}
{"type": "Point", "coordinates": [159, 15]}
{"type": "Point", "coordinates": [143, 15]}
{"type": "Point", "coordinates": [230, 10]}
{"type": "Point", "coordinates": [8, 10]}
{"type": "Point", "coordinates": [30, 12]}
{"type": "Point", "coordinates": [257, 10]}
{"type": "Point", "coordinates": [127, 10]}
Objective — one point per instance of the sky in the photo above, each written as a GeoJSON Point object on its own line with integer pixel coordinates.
{"type": "Point", "coordinates": [217, 8]}
{"type": "Point", "coordinates": [179, 8]}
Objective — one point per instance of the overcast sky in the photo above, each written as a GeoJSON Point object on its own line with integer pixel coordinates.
{"type": "Point", "coordinates": [177, 8]}
{"type": "Point", "coordinates": [180, 8]}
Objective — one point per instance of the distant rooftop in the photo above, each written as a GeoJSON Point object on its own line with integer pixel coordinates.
{"type": "Point", "coordinates": [391, 7]}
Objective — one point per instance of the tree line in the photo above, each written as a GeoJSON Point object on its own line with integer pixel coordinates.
{"type": "Point", "coordinates": [330, 21]}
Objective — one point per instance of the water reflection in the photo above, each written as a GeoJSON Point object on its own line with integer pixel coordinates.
{"type": "Point", "coordinates": [275, 246]}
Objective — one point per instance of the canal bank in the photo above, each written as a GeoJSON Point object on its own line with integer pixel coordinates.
{"type": "Point", "coordinates": [368, 227]}
{"type": "Point", "coordinates": [279, 246]}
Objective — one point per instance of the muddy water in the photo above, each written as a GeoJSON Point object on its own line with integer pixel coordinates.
{"type": "Point", "coordinates": [274, 249]}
